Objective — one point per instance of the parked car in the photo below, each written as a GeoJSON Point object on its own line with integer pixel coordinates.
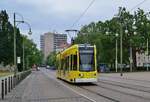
{"type": "Point", "coordinates": [47, 67]}
{"type": "Point", "coordinates": [52, 67]}
{"type": "Point", "coordinates": [103, 68]}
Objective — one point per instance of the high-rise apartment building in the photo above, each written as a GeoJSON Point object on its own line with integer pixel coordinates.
{"type": "Point", "coordinates": [50, 42]}
{"type": "Point", "coordinates": [42, 43]}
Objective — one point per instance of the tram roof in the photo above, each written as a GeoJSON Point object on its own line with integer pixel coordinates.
{"type": "Point", "coordinates": [76, 46]}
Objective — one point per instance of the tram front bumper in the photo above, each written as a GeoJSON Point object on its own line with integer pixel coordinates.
{"type": "Point", "coordinates": [84, 80]}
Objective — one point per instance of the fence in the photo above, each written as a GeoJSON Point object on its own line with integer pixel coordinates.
{"type": "Point", "coordinates": [7, 83]}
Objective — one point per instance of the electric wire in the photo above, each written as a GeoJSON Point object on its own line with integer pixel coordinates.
{"type": "Point", "coordinates": [78, 19]}
{"type": "Point", "coordinates": [138, 5]}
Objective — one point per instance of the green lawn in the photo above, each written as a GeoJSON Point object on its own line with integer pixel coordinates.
{"type": "Point", "coordinates": [5, 74]}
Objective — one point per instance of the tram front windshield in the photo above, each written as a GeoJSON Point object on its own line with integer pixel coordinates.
{"type": "Point", "coordinates": [87, 62]}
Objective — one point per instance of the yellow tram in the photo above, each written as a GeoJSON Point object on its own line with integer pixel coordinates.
{"type": "Point", "coordinates": [77, 64]}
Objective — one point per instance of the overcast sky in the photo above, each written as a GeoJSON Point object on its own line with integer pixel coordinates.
{"type": "Point", "coordinates": [59, 15]}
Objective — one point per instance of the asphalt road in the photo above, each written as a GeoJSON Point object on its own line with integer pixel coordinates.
{"type": "Point", "coordinates": [39, 87]}
{"type": "Point", "coordinates": [43, 86]}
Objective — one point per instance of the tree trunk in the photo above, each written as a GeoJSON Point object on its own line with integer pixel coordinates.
{"type": "Point", "coordinates": [134, 59]}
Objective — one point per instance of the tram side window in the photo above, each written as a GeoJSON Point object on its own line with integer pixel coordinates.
{"type": "Point", "coordinates": [74, 62]}
{"type": "Point", "coordinates": [61, 64]}
{"type": "Point", "coordinates": [68, 63]}
{"type": "Point", "coordinates": [71, 62]}
{"type": "Point", "coordinates": [57, 64]}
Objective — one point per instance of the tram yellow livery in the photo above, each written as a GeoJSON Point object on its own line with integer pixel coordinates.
{"type": "Point", "coordinates": [77, 64]}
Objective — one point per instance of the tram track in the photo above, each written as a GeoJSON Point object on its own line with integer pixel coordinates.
{"type": "Point", "coordinates": [111, 91]}
{"type": "Point", "coordinates": [126, 85]}
{"type": "Point", "coordinates": [124, 78]}
{"type": "Point", "coordinates": [111, 88]}
{"type": "Point", "coordinates": [110, 97]}
{"type": "Point", "coordinates": [99, 94]}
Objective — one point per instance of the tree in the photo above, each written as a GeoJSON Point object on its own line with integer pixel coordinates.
{"type": "Point", "coordinates": [95, 33]}
{"type": "Point", "coordinates": [32, 54]}
{"type": "Point", "coordinates": [6, 35]}
{"type": "Point", "coordinates": [51, 59]}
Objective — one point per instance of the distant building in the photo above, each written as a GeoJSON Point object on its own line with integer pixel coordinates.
{"type": "Point", "coordinates": [42, 43]}
{"type": "Point", "coordinates": [50, 42]}
{"type": "Point", "coordinates": [142, 59]}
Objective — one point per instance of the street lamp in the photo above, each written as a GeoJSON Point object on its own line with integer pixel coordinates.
{"type": "Point", "coordinates": [116, 61]}
{"type": "Point", "coordinates": [147, 41]}
{"type": "Point", "coordinates": [134, 33]}
{"type": "Point", "coordinates": [121, 33]}
{"type": "Point", "coordinates": [15, 21]}
{"type": "Point", "coordinates": [30, 32]}
{"type": "Point", "coordinates": [18, 21]}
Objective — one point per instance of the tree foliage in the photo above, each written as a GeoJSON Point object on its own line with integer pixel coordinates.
{"type": "Point", "coordinates": [137, 25]}
{"type": "Point", "coordinates": [51, 59]}
{"type": "Point", "coordinates": [32, 54]}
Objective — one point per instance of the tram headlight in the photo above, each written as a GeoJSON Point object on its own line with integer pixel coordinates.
{"type": "Point", "coordinates": [81, 75]}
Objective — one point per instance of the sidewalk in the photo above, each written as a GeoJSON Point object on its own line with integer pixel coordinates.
{"type": "Point", "coordinates": [132, 75]}
{"type": "Point", "coordinates": [38, 87]}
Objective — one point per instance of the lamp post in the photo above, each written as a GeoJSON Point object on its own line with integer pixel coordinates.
{"type": "Point", "coordinates": [147, 41]}
{"type": "Point", "coordinates": [23, 45]}
{"type": "Point", "coordinates": [18, 21]}
{"type": "Point", "coordinates": [15, 21]}
{"type": "Point", "coordinates": [116, 61]}
{"type": "Point", "coordinates": [134, 33]}
{"type": "Point", "coordinates": [121, 33]}
{"type": "Point", "coordinates": [147, 54]}
{"type": "Point", "coordinates": [116, 56]}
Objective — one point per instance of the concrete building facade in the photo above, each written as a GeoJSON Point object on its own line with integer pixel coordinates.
{"type": "Point", "coordinates": [50, 42]}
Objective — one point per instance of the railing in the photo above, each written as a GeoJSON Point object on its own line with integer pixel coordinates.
{"type": "Point", "coordinates": [7, 83]}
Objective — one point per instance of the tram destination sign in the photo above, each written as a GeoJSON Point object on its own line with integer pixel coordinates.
{"type": "Point", "coordinates": [86, 51]}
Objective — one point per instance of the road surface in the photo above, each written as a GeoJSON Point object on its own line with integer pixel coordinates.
{"type": "Point", "coordinates": [42, 86]}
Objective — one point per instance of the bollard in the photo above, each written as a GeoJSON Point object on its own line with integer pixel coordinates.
{"type": "Point", "coordinates": [14, 81]}
{"type": "Point", "coordinates": [11, 83]}
{"type": "Point", "coordinates": [5, 86]}
{"type": "Point", "coordinates": [2, 93]}
{"type": "Point", "coordinates": [8, 84]}
{"type": "Point", "coordinates": [18, 80]}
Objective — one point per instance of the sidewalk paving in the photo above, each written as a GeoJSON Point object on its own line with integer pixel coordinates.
{"type": "Point", "coordinates": [38, 87]}
{"type": "Point", "coordinates": [129, 75]}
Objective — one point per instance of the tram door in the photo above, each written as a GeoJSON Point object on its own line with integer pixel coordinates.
{"type": "Point", "coordinates": [66, 66]}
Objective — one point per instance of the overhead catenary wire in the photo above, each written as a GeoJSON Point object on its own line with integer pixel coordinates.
{"type": "Point", "coordinates": [137, 5]}
{"type": "Point", "coordinates": [91, 3]}
{"type": "Point", "coordinates": [84, 12]}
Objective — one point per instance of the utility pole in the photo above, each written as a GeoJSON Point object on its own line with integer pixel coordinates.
{"type": "Point", "coordinates": [131, 59]}
{"type": "Point", "coordinates": [30, 32]}
{"type": "Point", "coordinates": [121, 33]}
{"type": "Point", "coordinates": [15, 65]}
{"type": "Point", "coordinates": [23, 55]}
{"type": "Point", "coordinates": [147, 54]}
{"type": "Point", "coordinates": [116, 61]}
{"type": "Point", "coordinates": [116, 55]}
